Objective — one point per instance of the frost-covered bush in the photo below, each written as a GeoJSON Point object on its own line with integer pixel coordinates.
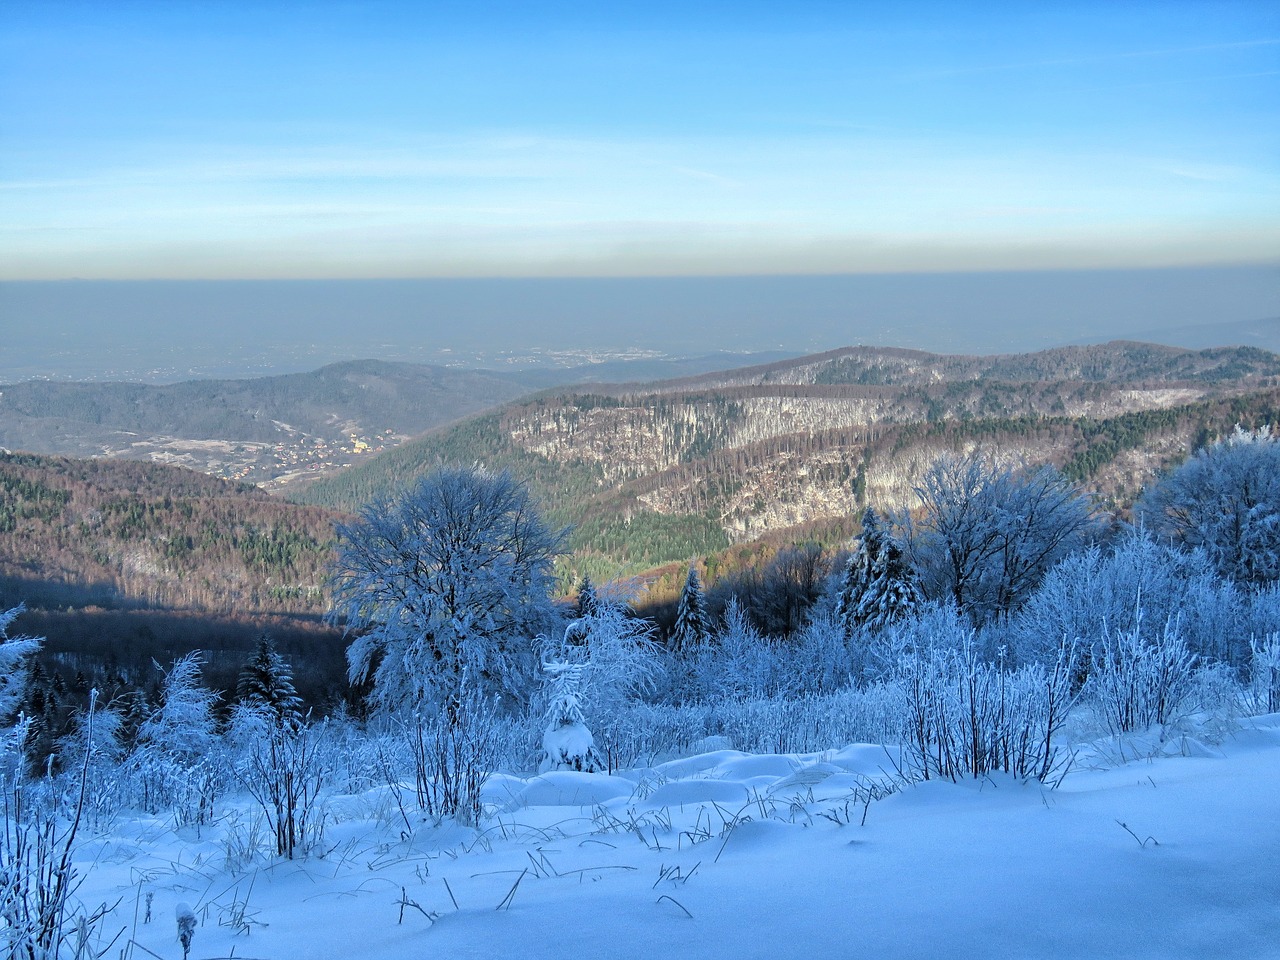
{"type": "Point", "coordinates": [284, 765]}
{"type": "Point", "coordinates": [936, 626]}
{"type": "Point", "coordinates": [616, 662]}
{"type": "Point", "coordinates": [1263, 691]}
{"type": "Point", "coordinates": [965, 716]}
{"type": "Point", "coordinates": [1137, 585]}
{"type": "Point", "coordinates": [740, 664]}
{"type": "Point", "coordinates": [452, 758]}
{"type": "Point", "coordinates": [987, 533]}
{"type": "Point", "coordinates": [175, 763]}
{"type": "Point", "coordinates": [94, 750]}
{"type": "Point", "coordinates": [819, 658]}
{"type": "Point", "coordinates": [41, 917]}
{"type": "Point", "coordinates": [1138, 679]}
{"type": "Point", "coordinates": [14, 653]}
{"type": "Point", "coordinates": [648, 733]}
{"type": "Point", "coordinates": [1225, 500]}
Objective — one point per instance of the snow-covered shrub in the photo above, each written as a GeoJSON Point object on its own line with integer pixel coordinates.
{"type": "Point", "coordinates": [41, 917]}
{"type": "Point", "coordinates": [1138, 680]}
{"type": "Point", "coordinates": [1225, 500]}
{"type": "Point", "coordinates": [819, 658]}
{"type": "Point", "coordinates": [1263, 691]}
{"type": "Point", "coordinates": [175, 763]}
{"type": "Point", "coordinates": [987, 533]}
{"type": "Point", "coordinates": [283, 764]}
{"type": "Point", "coordinates": [14, 653]}
{"type": "Point", "coordinates": [94, 751]}
{"type": "Point", "coordinates": [740, 664]}
{"type": "Point", "coordinates": [936, 626]}
{"type": "Point", "coordinates": [452, 759]}
{"type": "Point", "coordinates": [811, 722]}
{"type": "Point", "coordinates": [567, 744]}
{"type": "Point", "coordinates": [617, 661]}
{"type": "Point", "coordinates": [1136, 585]}
{"type": "Point", "coordinates": [965, 716]}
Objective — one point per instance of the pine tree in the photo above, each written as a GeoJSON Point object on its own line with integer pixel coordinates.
{"type": "Point", "coordinates": [588, 602]}
{"type": "Point", "coordinates": [267, 681]}
{"type": "Point", "coordinates": [567, 744]}
{"type": "Point", "coordinates": [693, 625]}
{"type": "Point", "coordinates": [879, 586]}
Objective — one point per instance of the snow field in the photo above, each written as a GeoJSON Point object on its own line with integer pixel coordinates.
{"type": "Point", "coordinates": [732, 855]}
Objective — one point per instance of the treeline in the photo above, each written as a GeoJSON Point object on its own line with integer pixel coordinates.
{"type": "Point", "coordinates": [1106, 362]}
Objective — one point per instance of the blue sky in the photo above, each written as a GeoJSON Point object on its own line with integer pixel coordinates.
{"type": "Point", "coordinates": [253, 139]}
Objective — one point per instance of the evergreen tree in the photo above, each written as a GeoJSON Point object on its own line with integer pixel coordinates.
{"type": "Point", "coordinates": [693, 625]}
{"type": "Point", "coordinates": [588, 602]}
{"type": "Point", "coordinates": [134, 710]}
{"type": "Point", "coordinates": [567, 743]}
{"type": "Point", "coordinates": [879, 585]}
{"type": "Point", "coordinates": [266, 681]}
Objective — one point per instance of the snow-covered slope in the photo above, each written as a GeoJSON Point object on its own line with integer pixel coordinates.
{"type": "Point", "coordinates": [739, 856]}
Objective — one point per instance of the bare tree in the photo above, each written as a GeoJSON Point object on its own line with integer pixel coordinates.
{"type": "Point", "coordinates": [988, 534]}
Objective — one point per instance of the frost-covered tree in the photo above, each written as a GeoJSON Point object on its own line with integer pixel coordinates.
{"type": "Point", "coordinates": [444, 589]}
{"type": "Point", "coordinates": [267, 682]}
{"type": "Point", "coordinates": [174, 763]}
{"type": "Point", "coordinates": [740, 665]}
{"type": "Point", "coordinates": [879, 586]}
{"type": "Point", "coordinates": [988, 534]}
{"type": "Point", "coordinates": [14, 652]}
{"type": "Point", "coordinates": [618, 656]}
{"type": "Point", "coordinates": [1225, 500]}
{"type": "Point", "coordinates": [183, 727]}
{"type": "Point", "coordinates": [693, 625]}
{"type": "Point", "coordinates": [567, 743]}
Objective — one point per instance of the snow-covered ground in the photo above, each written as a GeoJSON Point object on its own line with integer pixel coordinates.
{"type": "Point", "coordinates": [739, 856]}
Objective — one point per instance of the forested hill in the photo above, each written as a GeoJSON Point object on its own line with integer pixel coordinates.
{"type": "Point", "coordinates": [1114, 362]}
{"type": "Point", "coordinates": [124, 534]}
{"type": "Point", "coordinates": [649, 474]}
{"type": "Point", "coordinates": [256, 429]}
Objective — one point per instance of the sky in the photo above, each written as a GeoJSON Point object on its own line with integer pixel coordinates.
{"type": "Point", "coordinates": [256, 140]}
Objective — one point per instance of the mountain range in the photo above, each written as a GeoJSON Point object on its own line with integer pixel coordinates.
{"type": "Point", "coordinates": [125, 557]}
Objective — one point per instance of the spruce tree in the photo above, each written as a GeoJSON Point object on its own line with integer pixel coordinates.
{"type": "Point", "coordinates": [267, 681]}
{"type": "Point", "coordinates": [588, 602]}
{"type": "Point", "coordinates": [693, 625]}
{"type": "Point", "coordinates": [879, 585]}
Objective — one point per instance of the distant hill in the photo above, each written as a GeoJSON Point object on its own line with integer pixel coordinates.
{"type": "Point", "coordinates": [1264, 334]}
{"type": "Point", "coordinates": [122, 534]}
{"type": "Point", "coordinates": [653, 473]}
{"type": "Point", "coordinates": [122, 563]}
{"type": "Point", "coordinates": [256, 429]}
{"type": "Point", "coordinates": [282, 429]}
